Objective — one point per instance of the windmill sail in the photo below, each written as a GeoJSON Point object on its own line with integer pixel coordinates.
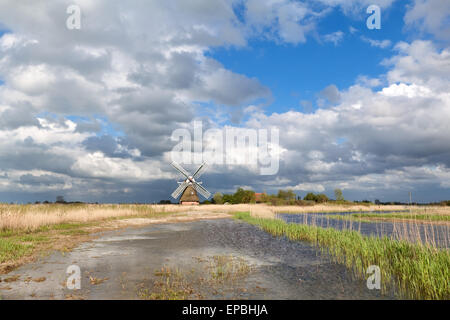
{"type": "Point", "coordinates": [180, 169]}
{"type": "Point", "coordinates": [179, 190]}
{"type": "Point", "coordinates": [202, 190]}
{"type": "Point", "coordinates": [199, 171]}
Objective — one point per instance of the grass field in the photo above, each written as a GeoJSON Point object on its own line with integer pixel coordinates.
{"type": "Point", "coordinates": [30, 230]}
{"type": "Point", "coordinates": [413, 270]}
{"type": "Point", "coordinates": [33, 216]}
{"type": "Point", "coordinates": [417, 271]}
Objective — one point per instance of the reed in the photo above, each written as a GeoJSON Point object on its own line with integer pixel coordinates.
{"type": "Point", "coordinates": [33, 217]}
{"type": "Point", "coordinates": [414, 270]}
{"type": "Point", "coordinates": [407, 215]}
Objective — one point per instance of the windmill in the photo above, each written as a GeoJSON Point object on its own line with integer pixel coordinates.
{"type": "Point", "coordinates": [190, 187]}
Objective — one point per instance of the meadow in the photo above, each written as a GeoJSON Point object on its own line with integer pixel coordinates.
{"type": "Point", "coordinates": [29, 217]}
{"type": "Point", "coordinates": [415, 270]}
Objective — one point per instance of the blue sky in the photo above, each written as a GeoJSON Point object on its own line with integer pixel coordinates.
{"type": "Point", "coordinates": [296, 72]}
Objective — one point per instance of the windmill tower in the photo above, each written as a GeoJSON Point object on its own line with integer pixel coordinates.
{"type": "Point", "coordinates": [190, 188]}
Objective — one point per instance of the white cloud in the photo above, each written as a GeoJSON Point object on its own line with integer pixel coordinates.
{"type": "Point", "coordinates": [409, 91]}
{"type": "Point", "coordinates": [377, 43]}
{"type": "Point", "coordinates": [31, 79]}
{"type": "Point", "coordinates": [287, 20]}
{"type": "Point", "coordinates": [334, 37]}
{"type": "Point", "coordinates": [430, 16]}
{"type": "Point", "coordinates": [368, 82]}
{"type": "Point", "coordinates": [420, 62]}
{"type": "Point", "coordinates": [97, 165]}
{"type": "Point", "coordinates": [309, 187]}
{"type": "Point", "coordinates": [355, 7]}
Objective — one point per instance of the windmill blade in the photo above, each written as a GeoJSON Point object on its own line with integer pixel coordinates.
{"type": "Point", "coordinates": [179, 190]}
{"type": "Point", "coordinates": [199, 171]}
{"type": "Point", "coordinates": [205, 193]}
{"type": "Point", "coordinates": [180, 169]}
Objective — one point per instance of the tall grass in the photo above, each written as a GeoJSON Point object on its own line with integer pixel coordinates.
{"type": "Point", "coordinates": [33, 216]}
{"type": "Point", "coordinates": [430, 228]}
{"type": "Point", "coordinates": [414, 270]}
{"type": "Point", "coordinates": [413, 216]}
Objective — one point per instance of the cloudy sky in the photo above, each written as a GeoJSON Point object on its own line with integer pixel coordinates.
{"type": "Point", "coordinates": [89, 113]}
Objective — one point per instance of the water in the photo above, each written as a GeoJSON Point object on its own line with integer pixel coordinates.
{"type": "Point", "coordinates": [434, 233]}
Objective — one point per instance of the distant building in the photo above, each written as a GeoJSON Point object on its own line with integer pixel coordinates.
{"type": "Point", "coordinates": [259, 197]}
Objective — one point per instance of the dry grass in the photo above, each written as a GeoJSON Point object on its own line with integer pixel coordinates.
{"type": "Point", "coordinates": [228, 268]}
{"type": "Point", "coordinates": [33, 216]}
{"type": "Point", "coordinates": [219, 276]}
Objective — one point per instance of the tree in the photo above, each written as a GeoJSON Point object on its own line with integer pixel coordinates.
{"type": "Point", "coordinates": [310, 197]}
{"type": "Point", "coordinates": [60, 199]}
{"type": "Point", "coordinates": [264, 197]}
{"type": "Point", "coordinates": [228, 198]}
{"type": "Point", "coordinates": [321, 198]}
{"type": "Point", "coordinates": [244, 196]}
{"type": "Point", "coordinates": [218, 198]}
{"type": "Point", "coordinates": [338, 195]}
{"type": "Point", "coordinates": [286, 194]}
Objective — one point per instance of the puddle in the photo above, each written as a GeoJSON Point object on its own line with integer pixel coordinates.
{"type": "Point", "coordinates": [124, 238]}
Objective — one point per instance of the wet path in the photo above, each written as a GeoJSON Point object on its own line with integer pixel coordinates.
{"type": "Point", "coordinates": [125, 260]}
{"type": "Point", "coordinates": [425, 232]}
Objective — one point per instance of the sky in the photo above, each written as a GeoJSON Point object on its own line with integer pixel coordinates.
{"type": "Point", "coordinates": [90, 112]}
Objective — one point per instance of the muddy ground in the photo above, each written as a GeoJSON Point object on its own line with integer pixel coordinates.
{"type": "Point", "coordinates": [207, 259]}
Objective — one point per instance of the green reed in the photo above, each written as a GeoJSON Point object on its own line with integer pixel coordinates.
{"type": "Point", "coordinates": [414, 270]}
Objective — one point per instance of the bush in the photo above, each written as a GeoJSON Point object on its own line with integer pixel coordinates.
{"type": "Point", "coordinates": [218, 198]}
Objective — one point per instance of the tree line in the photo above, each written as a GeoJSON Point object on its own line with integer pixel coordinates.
{"type": "Point", "coordinates": [282, 197]}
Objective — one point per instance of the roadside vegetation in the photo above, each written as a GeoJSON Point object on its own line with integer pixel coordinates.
{"type": "Point", "coordinates": [219, 276]}
{"type": "Point", "coordinates": [31, 217]}
{"type": "Point", "coordinates": [28, 230]}
{"type": "Point", "coordinates": [414, 271]}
